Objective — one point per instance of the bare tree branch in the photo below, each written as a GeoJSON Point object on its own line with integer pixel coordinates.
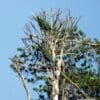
{"type": "Point", "coordinates": [17, 69]}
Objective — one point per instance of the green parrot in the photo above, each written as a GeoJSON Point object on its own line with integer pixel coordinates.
{"type": "Point", "coordinates": [47, 55]}
{"type": "Point", "coordinates": [43, 24]}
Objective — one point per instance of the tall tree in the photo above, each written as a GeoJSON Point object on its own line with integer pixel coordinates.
{"type": "Point", "coordinates": [59, 56]}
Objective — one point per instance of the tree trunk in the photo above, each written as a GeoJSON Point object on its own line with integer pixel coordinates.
{"type": "Point", "coordinates": [55, 76]}
{"type": "Point", "coordinates": [55, 89]}
{"type": "Point", "coordinates": [62, 86]}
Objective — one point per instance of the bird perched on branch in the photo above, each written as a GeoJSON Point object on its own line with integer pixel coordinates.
{"type": "Point", "coordinates": [43, 24]}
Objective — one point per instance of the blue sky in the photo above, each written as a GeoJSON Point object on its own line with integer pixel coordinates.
{"type": "Point", "coordinates": [15, 13]}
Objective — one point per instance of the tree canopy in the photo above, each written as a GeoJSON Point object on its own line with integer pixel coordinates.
{"type": "Point", "coordinates": [58, 55]}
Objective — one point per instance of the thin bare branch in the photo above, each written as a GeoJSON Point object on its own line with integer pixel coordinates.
{"type": "Point", "coordinates": [17, 68]}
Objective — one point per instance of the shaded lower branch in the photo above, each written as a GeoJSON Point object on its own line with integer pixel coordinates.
{"type": "Point", "coordinates": [75, 86]}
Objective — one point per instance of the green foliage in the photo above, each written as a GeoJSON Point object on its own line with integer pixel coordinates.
{"type": "Point", "coordinates": [82, 34]}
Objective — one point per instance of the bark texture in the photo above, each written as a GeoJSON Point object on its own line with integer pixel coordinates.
{"type": "Point", "coordinates": [62, 85]}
